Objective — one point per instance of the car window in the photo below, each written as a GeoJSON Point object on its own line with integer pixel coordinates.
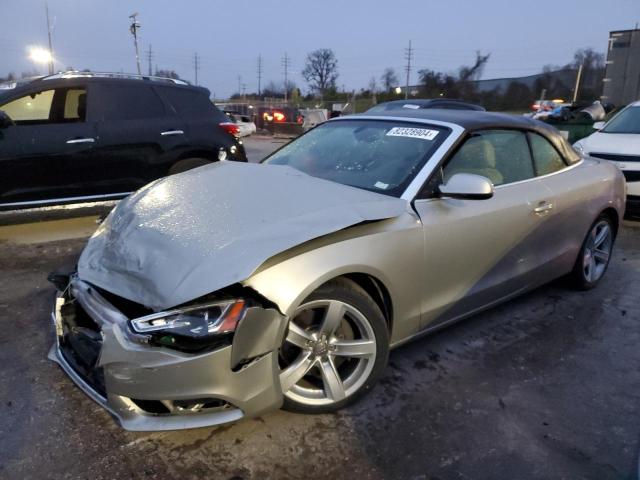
{"type": "Point", "coordinates": [381, 156]}
{"type": "Point", "coordinates": [128, 102]}
{"type": "Point", "coordinates": [545, 157]}
{"type": "Point", "coordinates": [31, 109]}
{"type": "Point", "coordinates": [502, 156]}
{"type": "Point", "coordinates": [75, 105]}
{"type": "Point", "coordinates": [191, 103]}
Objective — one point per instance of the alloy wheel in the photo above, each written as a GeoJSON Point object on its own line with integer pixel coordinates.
{"type": "Point", "coordinates": [597, 251]}
{"type": "Point", "coordinates": [328, 353]}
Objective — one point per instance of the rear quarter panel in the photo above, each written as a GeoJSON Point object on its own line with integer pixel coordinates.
{"type": "Point", "coordinates": [581, 193]}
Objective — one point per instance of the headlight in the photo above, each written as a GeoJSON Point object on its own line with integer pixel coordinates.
{"type": "Point", "coordinates": [192, 328]}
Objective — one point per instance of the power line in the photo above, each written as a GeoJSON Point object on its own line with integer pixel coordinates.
{"type": "Point", "coordinates": [286, 62]}
{"type": "Point", "coordinates": [150, 59]}
{"type": "Point", "coordinates": [196, 65]}
{"type": "Point", "coordinates": [259, 73]}
{"type": "Point", "coordinates": [408, 53]}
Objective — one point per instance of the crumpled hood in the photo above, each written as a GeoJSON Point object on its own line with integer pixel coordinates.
{"type": "Point", "coordinates": [187, 235]}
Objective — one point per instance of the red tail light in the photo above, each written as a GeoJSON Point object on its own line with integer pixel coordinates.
{"type": "Point", "coordinates": [230, 128]}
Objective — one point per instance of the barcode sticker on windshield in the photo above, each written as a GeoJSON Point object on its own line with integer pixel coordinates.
{"type": "Point", "coordinates": [423, 133]}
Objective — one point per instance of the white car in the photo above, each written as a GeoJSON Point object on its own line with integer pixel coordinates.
{"type": "Point", "coordinates": [618, 141]}
{"type": "Point", "coordinates": [245, 125]}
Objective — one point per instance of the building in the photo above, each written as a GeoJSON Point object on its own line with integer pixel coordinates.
{"type": "Point", "coordinates": [621, 83]}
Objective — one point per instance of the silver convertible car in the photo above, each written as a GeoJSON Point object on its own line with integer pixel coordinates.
{"type": "Point", "coordinates": [234, 289]}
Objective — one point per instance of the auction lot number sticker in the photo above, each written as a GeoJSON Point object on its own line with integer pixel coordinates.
{"type": "Point", "coordinates": [423, 133]}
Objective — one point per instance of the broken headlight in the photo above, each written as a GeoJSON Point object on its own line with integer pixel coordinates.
{"type": "Point", "coordinates": [192, 328]}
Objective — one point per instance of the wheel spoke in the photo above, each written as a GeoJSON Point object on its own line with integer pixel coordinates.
{"type": "Point", "coordinates": [354, 348]}
{"type": "Point", "coordinates": [601, 237]}
{"type": "Point", "coordinates": [592, 269]}
{"type": "Point", "coordinates": [332, 318]}
{"type": "Point", "coordinates": [601, 255]}
{"type": "Point", "coordinates": [298, 369]}
{"type": "Point", "coordinates": [331, 378]}
{"type": "Point", "coordinates": [297, 336]}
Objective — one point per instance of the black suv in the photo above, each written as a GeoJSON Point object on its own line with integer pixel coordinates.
{"type": "Point", "coordinates": [88, 136]}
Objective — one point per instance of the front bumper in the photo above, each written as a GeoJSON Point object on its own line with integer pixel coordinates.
{"type": "Point", "coordinates": [151, 388]}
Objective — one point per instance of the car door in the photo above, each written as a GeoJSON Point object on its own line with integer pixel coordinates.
{"type": "Point", "coordinates": [478, 252]}
{"type": "Point", "coordinates": [572, 191]}
{"type": "Point", "coordinates": [45, 155]}
{"type": "Point", "coordinates": [137, 135]}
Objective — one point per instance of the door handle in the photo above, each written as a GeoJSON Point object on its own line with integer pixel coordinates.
{"type": "Point", "coordinates": [81, 140]}
{"type": "Point", "coordinates": [543, 208]}
{"type": "Point", "coordinates": [172, 132]}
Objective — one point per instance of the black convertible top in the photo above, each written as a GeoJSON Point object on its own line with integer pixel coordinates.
{"type": "Point", "coordinates": [472, 120]}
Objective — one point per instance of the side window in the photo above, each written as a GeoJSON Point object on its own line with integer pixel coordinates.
{"type": "Point", "coordinates": [128, 102]}
{"type": "Point", "coordinates": [502, 156]}
{"type": "Point", "coordinates": [75, 105]}
{"type": "Point", "coordinates": [30, 109]}
{"type": "Point", "coordinates": [545, 157]}
{"type": "Point", "coordinates": [191, 103]}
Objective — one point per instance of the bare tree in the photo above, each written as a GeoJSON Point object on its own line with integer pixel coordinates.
{"type": "Point", "coordinates": [389, 79]}
{"type": "Point", "coordinates": [321, 70]}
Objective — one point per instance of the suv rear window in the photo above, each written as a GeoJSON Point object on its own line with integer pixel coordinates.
{"type": "Point", "coordinates": [128, 102]}
{"type": "Point", "coordinates": [191, 103]}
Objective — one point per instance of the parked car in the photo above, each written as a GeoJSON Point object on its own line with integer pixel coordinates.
{"type": "Point", "coordinates": [618, 142]}
{"type": "Point", "coordinates": [88, 136]}
{"type": "Point", "coordinates": [418, 103]}
{"type": "Point", "coordinates": [245, 125]}
{"type": "Point", "coordinates": [196, 304]}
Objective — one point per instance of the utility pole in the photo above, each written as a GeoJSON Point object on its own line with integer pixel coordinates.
{"type": "Point", "coordinates": [135, 26]}
{"type": "Point", "coordinates": [577, 87]}
{"type": "Point", "coordinates": [239, 84]}
{"type": "Point", "coordinates": [286, 62]}
{"type": "Point", "coordinates": [259, 74]}
{"type": "Point", "coordinates": [244, 92]}
{"type": "Point", "coordinates": [408, 53]}
{"type": "Point", "coordinates": [46, 7]}
{"type": "Point", "coordinates": [150, 59]}
{"type": "Point", "coordinates": [196, 65]}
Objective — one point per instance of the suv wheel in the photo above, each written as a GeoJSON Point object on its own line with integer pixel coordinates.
{"type": "Point", "coordinates": [187, 164]}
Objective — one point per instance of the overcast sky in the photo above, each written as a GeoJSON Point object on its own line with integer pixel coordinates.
{"type": "Point", "coordinates": [366, 36]}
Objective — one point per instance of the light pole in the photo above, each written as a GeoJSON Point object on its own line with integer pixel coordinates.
{"type": "Point", "coordinates": [135, 26]}
{"type": "Point", "coordinates": [46, 7]}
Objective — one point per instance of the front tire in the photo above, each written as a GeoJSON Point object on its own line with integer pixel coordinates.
{"type": "Point", "coordinates": [595, 254]}
{"type": "Point", "coordinates": [188, 164]}
{"type": "Point", "coordinates": [336, 349]}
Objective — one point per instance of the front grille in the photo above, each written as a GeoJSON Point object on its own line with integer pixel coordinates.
{"type": "Point", "coordinates": [631, 176]}
{"type": "Point", "coordinates": [80, 344]}
{"type": "Point", "coordinates": [616, 157]}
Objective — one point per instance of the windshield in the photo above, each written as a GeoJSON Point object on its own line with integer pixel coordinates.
{"type": "Point", "coordinates": [627, 121]}
{"type": "Point", "coordinates": [381, 156]}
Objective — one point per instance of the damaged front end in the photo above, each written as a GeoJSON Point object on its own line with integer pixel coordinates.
{"type": "Point", "coordinates": [209, 362]}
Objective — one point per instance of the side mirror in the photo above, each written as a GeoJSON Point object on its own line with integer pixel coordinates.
{"type": "Point", "coordinates": [467, 186]}
{"type": "Point", "coordinates": [598, 125]}
{"type": "Point", "coordinates": [5, 120]}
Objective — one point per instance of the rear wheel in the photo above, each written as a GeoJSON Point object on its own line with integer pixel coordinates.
{"type": "Point", "coordinates": [595, 254]}
{"type": "Point", "coordinates": [335, 350]}
{"type": "Point", "coordinates": [187, 164]}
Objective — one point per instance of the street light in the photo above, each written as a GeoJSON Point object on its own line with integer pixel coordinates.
{"type": "Point", "coordinates": [40, 55]}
